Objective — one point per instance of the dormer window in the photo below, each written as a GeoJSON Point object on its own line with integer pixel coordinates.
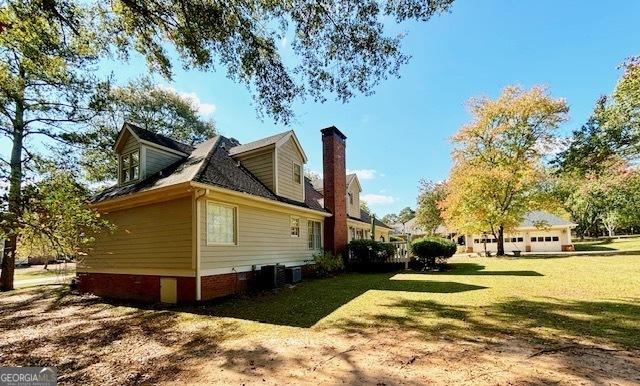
{"type": "Point", "coordinates": [130, 164]}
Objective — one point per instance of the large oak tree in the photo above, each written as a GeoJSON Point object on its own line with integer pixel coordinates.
{"type": "Point", "coordinates": [339, 48]}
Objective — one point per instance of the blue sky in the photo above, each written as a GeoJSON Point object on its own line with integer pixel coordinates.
{"type": "Point", "coordinates": [400, 134]}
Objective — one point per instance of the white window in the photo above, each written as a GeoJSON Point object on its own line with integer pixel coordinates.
{"type": "Point", "coordinates": [315, 238]}
{"type": "Point", "coordinates": [350, 198]}
{"type": "Point", "coordinates": [295, 227]}
{"type": "Point", "coordinates": [360, 234]}
{"type": "Point", "coordinates": [130, 166]}
{"type": "Point", "coordinates": [297, 173]}
{"type": "Point", "coordinates": [221, 224]}
{"type": "Point", "coordinates": [353, 233]}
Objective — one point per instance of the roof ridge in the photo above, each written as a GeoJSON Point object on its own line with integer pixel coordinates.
{"type": "Point", "coordinates": [159, 135]}
{"type": "Point", "coordinates": [207, 158]}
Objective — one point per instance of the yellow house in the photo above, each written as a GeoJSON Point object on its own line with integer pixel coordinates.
{"type": "Point", "coordinates": [197, 222]}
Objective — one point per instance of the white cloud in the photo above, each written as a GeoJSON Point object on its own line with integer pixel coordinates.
{"type": "Point", "coordinates": [380, 199]}
{"type": "Point", "coordinates": [364, 174]}
{"type": "Point", "coordinates": [202, 107]}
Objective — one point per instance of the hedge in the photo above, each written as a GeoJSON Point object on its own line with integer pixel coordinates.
{"type": "Point", "coordinates": [370, 255]}
{"type": "Point", "coordinates": [431, 252]}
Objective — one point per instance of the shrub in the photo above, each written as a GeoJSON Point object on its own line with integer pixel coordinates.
{"type": "Point", "coordinates": [370, 255]}
{"type": "Point", "coordinates": [327, 264]}
{"type": "Point", "coordinates": [431, 252]}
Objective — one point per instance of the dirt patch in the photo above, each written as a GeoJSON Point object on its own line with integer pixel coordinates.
{"type": "Point", "coordinates": [94, 342]}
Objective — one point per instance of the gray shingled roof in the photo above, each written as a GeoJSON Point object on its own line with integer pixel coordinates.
{"type": "Point", "coordinates": [210, 163]}
{"type": "Point", "coordinates": [366, 218]}
{"type": "Point", "coordinates": [159, 139]}
{"type": "Point", "coordinates": [539, 218]}
{"type": "Point", "coordinates": [234, 150]}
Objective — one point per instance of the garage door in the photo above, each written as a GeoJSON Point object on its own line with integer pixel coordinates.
{"type": "Point", "coordinates": [514, 243]}
{"type": "Point", "coordinates": [546, 242]}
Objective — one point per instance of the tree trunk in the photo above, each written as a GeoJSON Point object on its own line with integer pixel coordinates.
{"type": "Point", "coordinates": [14, 210]}
{"type": "Point", "coordinates": [500, 241]}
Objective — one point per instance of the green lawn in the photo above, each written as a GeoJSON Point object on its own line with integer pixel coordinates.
{"type": "Point", "coordinates": [38, 271]}
{"type": "Point", "coordinates": [594, 299]}
{"type": "Point", "coordinates": [535, 320]}
{"type": "Point", "coordinates": [626, 244]}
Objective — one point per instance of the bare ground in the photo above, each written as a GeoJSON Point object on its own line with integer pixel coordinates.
{"type": "Point", "coordinates": [91, 341]}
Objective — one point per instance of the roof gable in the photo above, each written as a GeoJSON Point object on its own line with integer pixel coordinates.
{"type": "Point", "coordinates": [147, 137]}
{"type": "Point", "coordinates": [351, 178]}
{"type": "Point", "coordinates": [275, 141]}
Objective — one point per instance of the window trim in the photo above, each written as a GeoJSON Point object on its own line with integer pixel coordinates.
{"type": "Point", "coordinates": [291, 227]}
{"type": "Point", "coordinates": [309, 222]}
{"type": "Point", "coordinates": [236, 224]}
{"type": "Point", "coordinates": [293, 173]}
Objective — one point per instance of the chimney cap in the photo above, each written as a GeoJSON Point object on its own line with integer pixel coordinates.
{"type": "Point", "coordinates": [332, 130]}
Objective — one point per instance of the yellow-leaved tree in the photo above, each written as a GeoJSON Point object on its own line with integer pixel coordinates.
{"type": "Point", "coordinates": [497, 174]}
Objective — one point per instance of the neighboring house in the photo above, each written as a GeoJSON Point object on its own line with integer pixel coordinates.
{"type": "Point", "coordinates": [197, 222]}
{"type": "Point", "coordinates": [538, 232]}
{"type": "Point", "coordinates": [358, 220]}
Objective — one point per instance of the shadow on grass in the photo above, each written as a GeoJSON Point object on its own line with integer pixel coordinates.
{"type": "Point", "coordinates": [563, 255]}
{"type": "Point", "coordinates": [76, 334]}
{"type": "Point", "coordinates": [545, 321]}
{"type": "Point", "coordinates": [307, 303]}
{"type": "Point", "coordinates": [472, 269]}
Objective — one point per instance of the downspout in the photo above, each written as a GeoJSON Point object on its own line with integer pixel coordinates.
{"type": "Point", "coordinates": [198, 195]}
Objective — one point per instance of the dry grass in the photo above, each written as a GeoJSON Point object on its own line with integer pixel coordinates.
{"type": "Point", "coordinates": [489, 321]}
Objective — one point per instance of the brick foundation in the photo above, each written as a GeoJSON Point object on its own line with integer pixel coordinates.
{"type": "Point", "coordinates": [215, 286]}
{"type": "Point", "coordinates": [146, 288]}
{"type": "Point", "coordinates": [143, 288]}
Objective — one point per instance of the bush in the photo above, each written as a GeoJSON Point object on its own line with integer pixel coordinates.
{"type": "Point", "coordinates": [327, 264]}
{"type": "Point", "coordinates": [370, 255]}
{"type": "Point", "coordinates": [431, 252]}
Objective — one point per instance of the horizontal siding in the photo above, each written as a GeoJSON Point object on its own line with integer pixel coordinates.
{"type": "Point", "coordinates": [157, 160]}
{"type": "Point", "coordinates": [261, 166]}
{"type": "Point", "coordinates": [263, 238]}
{"type": "Point", "coordinates": [354, 210]}
{"type": "Point", "coordinates": [130, 145]}
{"type": "Point", "coordinates": [288, 154]}
{"type": "Point", "coordinates": [157, 236]}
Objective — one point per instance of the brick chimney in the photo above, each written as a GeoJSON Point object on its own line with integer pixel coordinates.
{"type": "Point", "coordinates": [335, 190]}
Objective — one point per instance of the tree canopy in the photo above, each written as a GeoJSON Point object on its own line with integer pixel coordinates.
{"type": "Point", "coordinates": [428, 213]}
{"type": "Point", "coordinates": [497, 175]}
{"type": "Point", "coordinates": [340, 48]}
{"type": "Point", "coordinates": [161, 110]}
{"type": "Point", "coordinates": [613, 130]}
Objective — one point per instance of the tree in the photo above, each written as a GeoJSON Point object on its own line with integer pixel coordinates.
{"type": "Point", "coordinates": [497, 175]}
{"type": "Point", "coordinates": [56, 220]}
{"type": "Point", "coordinates": [428, 214]}
{"type": "Point", "coordinates": [45, 86]}
{"type": "Point", "coordinates": [340, 48]}
{"type": "Point", "coordinates": [365, 207]}
{"type": "Point", "coordinates": [406, 214]}
{"type": "Point", "coordinates": [390, 219]}
{"type": "Point", "coordinates": [605, 197]}
{"type": "Point", "coordinates": [157, 109]}
{"type": "Point", "coordinates": [612, 130]}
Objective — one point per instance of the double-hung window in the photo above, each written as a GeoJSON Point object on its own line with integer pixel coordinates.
{"type": "Point", "coordinates": [222, 224]}
{"type": "Point", "coordinates": [295, 227]}
{"type": "Point", "coordinates": [297, 173]}
{"type": "Point", "coordinates": [315, 240]}
{"type": "Point", "coordinates": [130, 164]}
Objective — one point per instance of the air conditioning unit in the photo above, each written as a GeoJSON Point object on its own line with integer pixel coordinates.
{"type": "Point", "coordinates": [294, 275]}
{"type": "Point", "coordinates": [272, 276]}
